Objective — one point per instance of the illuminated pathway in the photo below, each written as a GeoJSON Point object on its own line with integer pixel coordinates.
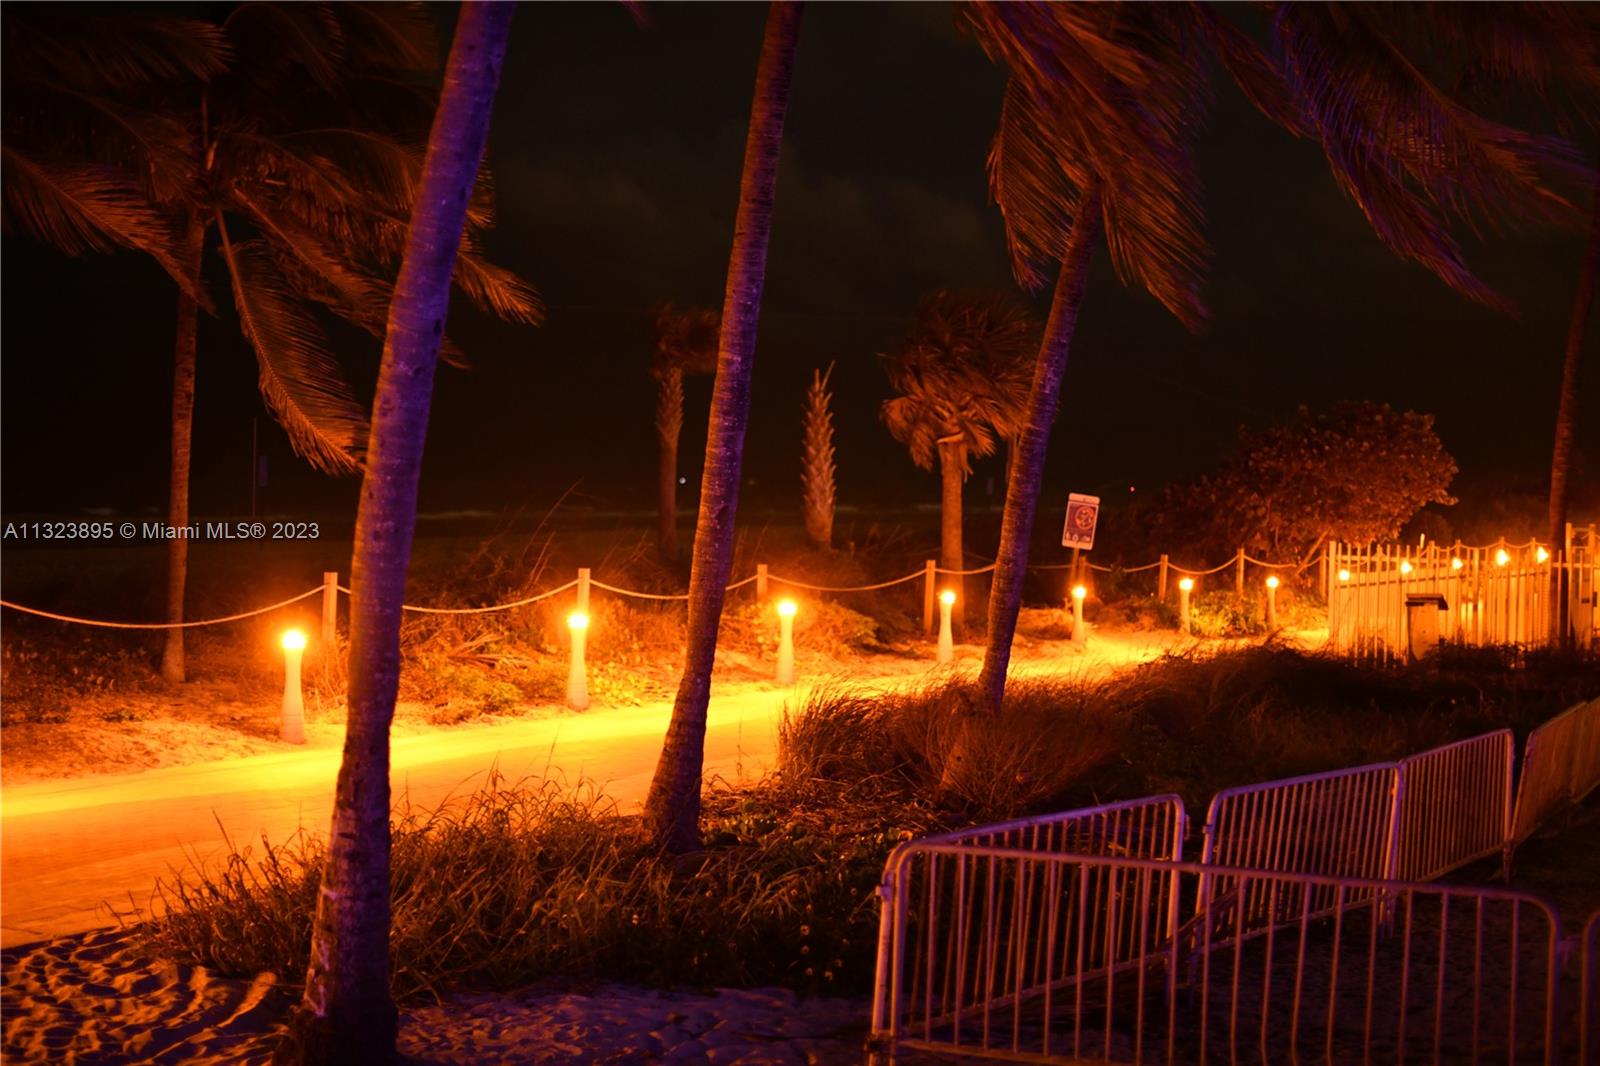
{"type": "Point", "coordinates": [69, 845]}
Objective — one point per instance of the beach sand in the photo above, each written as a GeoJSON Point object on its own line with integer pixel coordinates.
{"type": "Point", "coordinates": [95, 998]}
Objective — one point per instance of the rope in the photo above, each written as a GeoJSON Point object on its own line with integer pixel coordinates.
{"type": "Point", "coordinates": [636, 595]}
{"type": "Point", "coordinates": [859, 588]}
{"type": "Point", "coordinates": [965, 573]}
{"type": "Point", "coordinates": [157, 625]}
{"type": "Point", "coordinates": [1203, 573]}
{"type": "Point", "coordinates": [1271, 566]}
{"type": "Point", "coordinates": [492, 607]}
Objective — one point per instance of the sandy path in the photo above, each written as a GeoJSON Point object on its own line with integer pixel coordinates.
{"type": "Point", "coordinates": [71, 846]}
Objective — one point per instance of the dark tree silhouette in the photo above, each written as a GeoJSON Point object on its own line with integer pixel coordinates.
{"type": "Point", "coordinates": [672, 809]}
{"type": "Point", "coordinates": [346, 1015]}
{"type": "Point", "coordinates": [685, 343]}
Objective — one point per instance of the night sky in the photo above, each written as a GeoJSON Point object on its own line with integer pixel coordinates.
{"type": "Point", "coordinates": [617, 151]}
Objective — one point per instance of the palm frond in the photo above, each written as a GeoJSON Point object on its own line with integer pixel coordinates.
{"type": "Point", "coordinates": [109, 51]}
{"type": "Point", "coordinates": [335, 279]}
{"type": "Point", "coordinates": [495, 289]}
{"type": "Point", "coordinates": [300, 380]}
{"type": "Point", "coordinates": [79, 210]}
{"type": "Point", "coordinates": [279, 42]}
{"type": "Point", "coordinates": [389, 36]}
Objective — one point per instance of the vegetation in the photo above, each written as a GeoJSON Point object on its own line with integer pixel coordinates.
{"type": "Point", "coordinates": [532, 881]}
{"type": "Point", "coordinates": [816, 460]}
{"type": "Point", "coordinates": [1357, 474]}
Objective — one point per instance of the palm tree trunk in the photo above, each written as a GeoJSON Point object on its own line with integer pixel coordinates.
{"type": "Point", "coordinates": [183, 366]}
{"type": "Point", "coordinates": [347, 1015]}
{"type": "Point", "coordinates": [672, 809]}
{"type": "Point", "coordinates": [1567, 420]}
{"type": "Point", "coordinates": [1027, 466]}
{"type": "Point", "coordinates": [952, 475]}
{"type": "Point", "coordinates": [669, 426]}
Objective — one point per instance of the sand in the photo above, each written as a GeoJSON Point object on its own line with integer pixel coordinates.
{"type": "Point", "coordinates": [94, 998]}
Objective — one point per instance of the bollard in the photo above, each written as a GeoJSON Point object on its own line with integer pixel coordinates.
{"type": "Point", "coordinates": [1238, 574]}
{"type": "Point", "coordinates": [1079, 594]}
{"type": "Point", "coordinates": [761, 582]}
{"type": "Point", "coordinates": [577, 669]}
{"type": "Point", "coordinates": [929, 578]}
{"type": "Point", "coordinates": [1161, 580]}
{"type": "Point", "coordinates": [582, 596]}
{"type": "Point", "coordinates": [1272, 603]}
{"type": "Point", "coordinates": [292, 726]}
{"type": "Point", "coordinates": [1185, 586]}
{"type": "Point", "coordinates": [786, 609]}
{"type": "Point", "coordinates": [947, 644]}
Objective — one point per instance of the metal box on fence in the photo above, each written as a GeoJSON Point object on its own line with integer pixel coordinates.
{"type": "Point", "coordinates": [1423, 610]}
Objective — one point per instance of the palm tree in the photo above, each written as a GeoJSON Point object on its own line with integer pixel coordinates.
{"type": "Point", "coordinates": [346, 1015]}
{"type": "Point", "coordinates": [672, 809]}
{"type": "Point", "coordinates": [278, 145]}
{"type": "Point", "coordinates": [1567, 419]}
{"type": "Point", "coordinates": [685, 343]}
{"type": "Point", "coordinates": [963, 376]}
{"type": "Point", "coordinates": [1095, 137]}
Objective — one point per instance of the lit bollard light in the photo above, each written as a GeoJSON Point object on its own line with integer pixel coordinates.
{"type": "Point", "coordinates": [947, 644]}
{"type": "Point", "coordinates": [1540, 555]}
{"type": "Point", "coordinates": [577, 671]}
{"type": "Point", "coordinates": [1272, 603]}
{"type": "Point", "coordinates": [1185, 586]}
{"type": "Point", "coordinates": [786, 609]}
{"type": "Point", "coordinates": [1079, 594]}
{"type": "Point", "coordinates": [292, 728]}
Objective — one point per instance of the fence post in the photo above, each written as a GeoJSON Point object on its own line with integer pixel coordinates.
{"type": "Point", "coordinates": [1161, 579]}
{"type": "Point", "coordinates": [761, 581]}
{"type": "Point", "coordinates": [583, 590]}
{"type": "Point", "coordinates": [1322, 573]}
{"type": "Point", "coordinates": [929, 577]}
{"type": "Point", "coordinates": [1238, 575]}
{"type": "Point", "coordinates": [330, 620]}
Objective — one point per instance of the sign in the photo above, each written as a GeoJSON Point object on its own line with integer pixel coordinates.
{"type": "Point", "coordinates": [1082, 513]}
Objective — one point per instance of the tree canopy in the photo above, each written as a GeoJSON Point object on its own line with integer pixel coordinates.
{"type": "Point", "coordinates": [1355, 473]}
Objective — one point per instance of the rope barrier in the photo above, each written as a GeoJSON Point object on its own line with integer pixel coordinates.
{"type": "Point", "coordinates": [1203, 573]}
{"type": "Point", "coordinates": [492, 607]}
{"type": "Point", "coordinates": [963, 573]}
{"type": "Point", "coordinates": [851, 588]}
{"type": "Point", "coordinates": [157, 625]}
{"type": "Point", "coordinates": [1271, 566]}
{"type": "Point", "coordinates": [636, 595]}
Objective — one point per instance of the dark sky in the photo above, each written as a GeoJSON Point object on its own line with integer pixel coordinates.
{"type": "Point", "coordinates": [617, 152]}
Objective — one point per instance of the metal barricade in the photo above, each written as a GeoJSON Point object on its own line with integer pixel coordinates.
{"type": "Point", "coordinates": [1546, 782]}
{"type": "Point", "coordinates": [1149, 828]}
{"type": "Point", "coordinates": [1454, 806]}
{"type": "Point", "coordinates": [1005, 953]}
{"type": "Point", "coordinates": [1337, 824]}
{"type": "Point", "coordinates": [1584, 770]}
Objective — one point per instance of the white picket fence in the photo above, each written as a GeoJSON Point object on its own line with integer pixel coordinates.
{"type": "Point", "coordinates": [1498, 594]}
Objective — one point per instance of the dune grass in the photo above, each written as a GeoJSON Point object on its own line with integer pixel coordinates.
{"type": "Point", "coordinates": [521, 883]}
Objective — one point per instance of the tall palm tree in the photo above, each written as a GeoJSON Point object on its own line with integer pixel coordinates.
{"type": "Point", "coordinates": [672, 809]}
{"type": "Point", "coordinates": [297, 139]}
{"type": "Point", "coordinates": [963, 375]}
{"type": "Point", "coordinates": [1095, 137]}
{"type": "Point", "coordinates": [685, 343]}
{"type": "Point", "coordinates": [1567, 419]}
{"type": "Point", "coordinates": [346, 1015]}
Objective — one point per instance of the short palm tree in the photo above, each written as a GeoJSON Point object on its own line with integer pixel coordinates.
{"type": "Point", "coordinates": [963, 375]}
{"type": "Point", "coordinates": [685, 342]}
{"type": "Point", "coordinates": [291, 138]}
